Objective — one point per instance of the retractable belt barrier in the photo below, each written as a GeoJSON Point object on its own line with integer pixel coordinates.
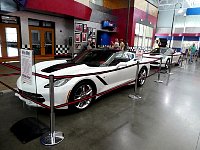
{"type": "Point", "coordinates": [71, 76]}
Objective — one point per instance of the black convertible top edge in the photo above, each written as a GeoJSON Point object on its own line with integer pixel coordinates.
{"type": "Point", "coordinates": [58, 67]}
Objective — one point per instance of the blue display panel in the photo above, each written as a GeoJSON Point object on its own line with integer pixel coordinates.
{"type": "Point", "coordinates": [193, 11]}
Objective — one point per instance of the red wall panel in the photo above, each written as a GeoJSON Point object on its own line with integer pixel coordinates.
{"type": "Point", "coordinates": [134, 17]}
{"type": "Point", "coordinates": [61, 7]}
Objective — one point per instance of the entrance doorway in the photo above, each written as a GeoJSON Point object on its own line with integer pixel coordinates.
{"type": "Point", "coordinates": [9, 42]}
{"type": "Point", "coordinates": [42, 41]}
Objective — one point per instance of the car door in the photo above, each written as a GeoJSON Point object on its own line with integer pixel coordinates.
{"type": "Point", "coordinates": [176, 57]}
{"type": "Point", "coordinates": [125, 70]}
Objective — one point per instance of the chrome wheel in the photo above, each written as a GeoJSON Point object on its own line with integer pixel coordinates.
{"type": "Point", "coordinates": [81, 91]}
{"type": "Point", "coordinates": [142, 76]}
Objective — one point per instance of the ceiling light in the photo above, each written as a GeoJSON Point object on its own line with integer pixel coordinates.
{"type": "Point", "coordinates": [180, 11]}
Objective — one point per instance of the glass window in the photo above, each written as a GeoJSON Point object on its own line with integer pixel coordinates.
{"type": "Point", "coordinates": [47, 24]}
{"type": "Point", "coordinates": [36, 42]}
{"type": "Point", "coordinates": [141, 30]}
{"type": "Point", "coordinates": [48, 42]}
{"type": "Point", "coordinates": [11, 41]}
{"type": "Point", "coordinates": [136, 41]}
{"type": "Point", "coordinates": [33, 22]}
{"type": "Point", "coordinates": [137, 29]}
{"type": "Point", "coordinates": [143, 36]}
{"type": "Point", "coordinates": [140, 42]}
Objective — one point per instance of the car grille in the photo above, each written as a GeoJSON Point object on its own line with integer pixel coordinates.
{"type": "Point", "coordinates": [155, 63]}
{"type": "Point", "coordinates": [37, 97]}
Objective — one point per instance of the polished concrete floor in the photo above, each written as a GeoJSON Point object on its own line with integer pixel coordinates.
{"type": "Point", "coordinates": [167, 118]}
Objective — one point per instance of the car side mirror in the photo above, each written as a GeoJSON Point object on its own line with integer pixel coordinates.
{"type": "Point", "coordinates": [121, 64]}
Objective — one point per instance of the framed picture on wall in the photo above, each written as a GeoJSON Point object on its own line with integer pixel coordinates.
{"type": "Point", "coordinates": [77, 37]}
{"type": "Point", "coordinates": [84, 37]}
{"type": "Point", "coordinates": [79, 27]}
{"type": "Point", "coordinates": [94, 32]}
{"type": "Point", "coordinates": [77, 46]}
{"type": "Point", "coordinates": [89, 30]}
{"type": "Point", "coordinates": [84, 27]}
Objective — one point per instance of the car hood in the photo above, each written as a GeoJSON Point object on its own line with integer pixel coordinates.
{"type": "Point", "coordinates": [60, 67]}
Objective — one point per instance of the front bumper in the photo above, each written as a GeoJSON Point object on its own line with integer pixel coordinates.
{"type": "Point", "coordinates": [42, 94]}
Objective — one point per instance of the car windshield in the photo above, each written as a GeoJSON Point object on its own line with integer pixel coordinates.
{"type": "Point", "coordinates": [162, 50]}
{"type": "Point", "coordinates": [95, 58]}
{"type": "Point", "coordinates": [155, 51]}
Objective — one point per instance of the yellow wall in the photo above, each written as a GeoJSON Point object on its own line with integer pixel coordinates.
{"type": "Point", "coordinates": [153, 10]}
{"type": "Point", "coordinates": [141, 4]}
{"type": "Point", "coordinates": [115, 4]}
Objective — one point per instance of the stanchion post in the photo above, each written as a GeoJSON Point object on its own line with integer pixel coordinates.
{"type": "Point", "coordinates": [159, 81]}
{"type": "Point", "coordinates": [170, 65]}
{"type": "Point", "coordinates": [136, 96]}
{"type": "Point", "coordinates": [53, 137]}
{"type": "Point", "coordinates": [136, 77]}
{"type": "Point", "coordinates": [181, 61]}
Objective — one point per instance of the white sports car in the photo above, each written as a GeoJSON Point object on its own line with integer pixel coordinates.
{"type": "Point", "coordinates": [166, 54]}
{"type": "Point", "coordinates": [75, 88]}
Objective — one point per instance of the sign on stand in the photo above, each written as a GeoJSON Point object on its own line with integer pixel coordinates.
{"type": "Point", "coordinates": [26, 65]}
{"type": "Point", "coordinates": [139, 54]}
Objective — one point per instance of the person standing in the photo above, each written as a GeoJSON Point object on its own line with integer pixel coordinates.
{"type": "Point", "coordinates": [192, 52]}
{"type": "Point", "coordinates": [116, 44]}
{"type": "Point", "coordinates": [121, 44]}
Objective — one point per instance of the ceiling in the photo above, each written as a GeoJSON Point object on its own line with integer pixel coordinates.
{"type": "Point", "coordinates": [171, 4]}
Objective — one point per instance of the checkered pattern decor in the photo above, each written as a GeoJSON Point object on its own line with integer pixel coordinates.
{"type": "Point", "coordinates": [26, 46]}
{"type": "Point", "coordinates": [62, 49]}
{"type": "Point", "coordinates": [130, 49]}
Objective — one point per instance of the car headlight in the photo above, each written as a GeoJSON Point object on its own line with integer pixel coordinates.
{"type": "Point", "coordinates": [58, 83]}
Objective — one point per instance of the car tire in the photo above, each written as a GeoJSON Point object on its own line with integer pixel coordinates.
{"type": "Point", "coordinates": [80, 91]}
{"type": "Point", "coordinates": [167, 64]}
{"type": "Point", "coordinates": [142, 75]}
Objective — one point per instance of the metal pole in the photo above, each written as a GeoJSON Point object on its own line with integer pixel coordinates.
{"type": "Point", "coordinates": [53, 137]}
{"type": "Point", "coordinates": [136, 77]}
{"type": "Point", "coordinates": [173, 22]}
{"type": "Point", "coordinates": [159, 81]}
{"type": "Point", "coordinates": [136, 96]}
{"type": "Point", "coordinates": [170, 65]}
{"type": "Point", "coordinates": [181, 61]}
{"type": "Point", "coordinates": [127, 25]}
{"type": "Point", "coordinates": [51, 92]}
{"type": "Point", "coordinates": [172, 27]}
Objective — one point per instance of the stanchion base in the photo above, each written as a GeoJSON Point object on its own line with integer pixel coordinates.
{"type": "Point", "coordinates": [170, 73]}
{"type": "Point", "coordinates": [158, 81]}
{"type": "Point", "coordinates": [136, 97]}
{"type": "Point", "coordinates": [49, 140]}
{"type": "Point", "coordinates": [181, 67]}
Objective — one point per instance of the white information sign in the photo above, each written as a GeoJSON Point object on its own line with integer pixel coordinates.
{"type": "Point", "coordinates": [139, 54]}
{"type": "Point", "coordinates": [26, 66]}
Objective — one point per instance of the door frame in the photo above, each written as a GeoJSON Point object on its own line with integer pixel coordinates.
{"type": "Point", "coordinates": [42, 30]}
{"type": "Point", "coordinates": [3, 39]}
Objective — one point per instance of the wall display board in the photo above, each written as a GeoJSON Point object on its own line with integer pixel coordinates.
{"type": "Point", "coordinates": [83, 32]}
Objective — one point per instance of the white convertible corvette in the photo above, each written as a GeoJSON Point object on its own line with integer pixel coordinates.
{"type": "Point", "coordinates": [166, 54]}
{"type": "Point", "coordinates": [70, 89]}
